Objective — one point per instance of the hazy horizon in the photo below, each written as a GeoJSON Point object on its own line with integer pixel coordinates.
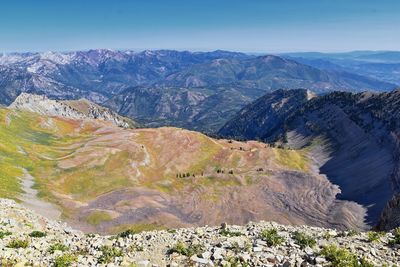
{"type": "Point", "coordinates": [251, 27]}
{"type": "Point", "coordinates": [138, 50]}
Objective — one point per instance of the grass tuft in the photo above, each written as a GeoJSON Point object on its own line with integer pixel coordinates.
{"type": "Point", "coordinates": [185, 250]}
{"type": "Point", "coordinates": [227, 232]}
{"type": "Point", "coordinates": [108, 254]}
{"type": "Point", "coordinates": [37, 234]}
{"type": "Point", "coordinates": [272, 237]}
{"type": "Point", "coordinates": [4, 234]}
{"type": "Point", "coordinates": [304, 240]}
{"type": "Point", "coordinates": [65, 260]}
{"type": "Point", "coordinates": [18, 243]}
{"type": "Point", "coordinates": [374, 236]}
{"type": "Point", "coordinates": [58, 247]}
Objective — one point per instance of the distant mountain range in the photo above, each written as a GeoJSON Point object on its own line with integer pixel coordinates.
{"type": "Point", "coordinates": [195, 90]}
{"type": "Point", "coordinates": [353, 138]}
{"type": "Point", "coordinates": [381, 65]}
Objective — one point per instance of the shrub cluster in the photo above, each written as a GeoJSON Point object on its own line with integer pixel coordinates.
{"type": "Point", "coordinates": [339, 257]}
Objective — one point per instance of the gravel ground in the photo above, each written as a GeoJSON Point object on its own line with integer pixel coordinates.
{"type": "Point", "coordinates": [227, 245]}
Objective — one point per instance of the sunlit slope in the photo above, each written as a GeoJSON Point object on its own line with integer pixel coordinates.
{"type": "Point", "coordinates": [105, 178]}
{"type": "Point", "coordinates": [25, 140]}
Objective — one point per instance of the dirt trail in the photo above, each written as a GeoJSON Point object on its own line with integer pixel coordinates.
{"type": "Point", "coordinates": [30, 199]}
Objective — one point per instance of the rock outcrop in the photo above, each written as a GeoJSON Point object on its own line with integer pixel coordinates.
{"type": "Point", "coordinates": [72, 109]}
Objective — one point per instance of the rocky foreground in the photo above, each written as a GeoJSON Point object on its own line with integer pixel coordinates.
{"type": "Point", "coordinates": [27, 239]}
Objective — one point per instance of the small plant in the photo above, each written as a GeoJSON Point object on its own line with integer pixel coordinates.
{"type": "Point", "coordinates": [236, 262]}
{"type": "Point", "coordinates": [365, 263]}
{"type": "Point", "coordinates": [179, 248]}
{"type": "Point", "coordinates": [30, 225]}
{"type": "Point", "coordinates": [3, 234]}
{"type": "Point", "coordinates": [352, 232]}
{"type": "Point", "coordinates": [18, 243]}
{"type": "Point", "coordinates": [348, 233]}
{"type": "Point", "coordinates": [227, 232]}
{"type": "Point", "coordinates": [7, 262]}
{"type": "Point", "coordinates": [272, 237]}
{"type": "Point", "coordinates": [374, 236]}
{"type": "Point", "coordinates": [65, 260]}
{"type": "Point", "coordinates": [188, 251]}
{"type": "Point", "coordinates": [58, 247]}
{"type": "Point", "coordinates": [342, 257]}
{"type": "Point", "coordinates": [247, 247]}
{"type": "Point", "coordinates": [37, 234]}
{"type": "Point", "coordinates": [108, 254]}
{"type": "Point", "coordinates": [127, 233]}
{"type": "Point", "coordinates": [304, 240]}
{"type": "Point", "coordinates": [82, 251]}
{"type": "Point", "coordinates": [236, 247]}
{"type": "Point", "coordinates": [135, 247]}
{"type": "Point", "coordinates": [396, 239]}
{"type": "Point", "coordinates": [327, 235]}
{"type": "Point", "coordinates": [90, 235]}
{"type": "Point", "coordinates": [171, 231]}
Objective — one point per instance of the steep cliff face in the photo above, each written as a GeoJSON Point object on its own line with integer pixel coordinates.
{"type": "Point", "coordinates": [73, 109]}
{"type": "Point", "coordinates": [348, 143]}
{"type": "Point", "coordinates": [265, 114]}
{"type": "Point", "coordinates": [353, 138]}
{"type": "Point", "coordinates": [390, 217]}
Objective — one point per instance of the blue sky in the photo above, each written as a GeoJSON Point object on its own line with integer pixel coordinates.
{"type": "Point", "coordinates": [246, 25]}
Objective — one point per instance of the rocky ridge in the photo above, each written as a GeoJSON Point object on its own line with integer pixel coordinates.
{"type": "Point", "coordinates": [353, 138]}
{"type": "Point", "coordinates": [265, 114]}
{"type": "Point", "coordinates": [27, 239]}
{"type": "Point", "coordinates": [72, 109]}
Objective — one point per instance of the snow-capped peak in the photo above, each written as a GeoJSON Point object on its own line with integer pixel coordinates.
{"type": "Point", "coordinates": [57, 58]}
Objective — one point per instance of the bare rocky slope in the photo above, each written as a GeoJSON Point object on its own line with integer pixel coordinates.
{"type": "Point", "coordinates": [352, 137]}
{"type": "Point", "coordinates": [105, 178]}
{"type": "Point", "coordinates": [28, 239]}
{"type": "Point", "coordinates": [73, 109]}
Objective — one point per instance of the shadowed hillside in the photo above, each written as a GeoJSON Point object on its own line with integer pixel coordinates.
{"type": "Point", "coordinates": [353, 138]}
